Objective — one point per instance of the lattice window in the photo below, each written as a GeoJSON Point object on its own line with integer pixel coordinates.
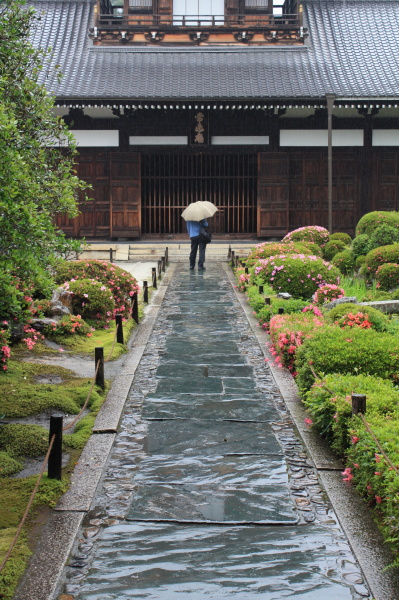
{"type": "Point", "coordinates": [140, 6]}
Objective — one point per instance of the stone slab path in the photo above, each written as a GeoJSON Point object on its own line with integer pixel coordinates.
{"type": "Point", "coordinates": [208, 493]}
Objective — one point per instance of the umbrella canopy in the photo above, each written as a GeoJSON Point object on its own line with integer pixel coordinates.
{"type": "Point", "coordinates": [199, 210]}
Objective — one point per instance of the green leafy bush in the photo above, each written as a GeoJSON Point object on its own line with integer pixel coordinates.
{"type": "Point", "coordinates": [267, 249]}
{"type": "Point", "coordinates": [298, 274]}
{"type": "Point", "coordinates": [69, 325]}
{"type": "Point", "coordinates": [290, 306]}
{"type": "Point", "coordinates": [344, 237]}
{"type": "Point", "coordinates": [383, 236]}
{"type": "Point", "coordinates": [332, 248]}
{"type": "Point", "coordinates": [335, 350]}
{"type": "Point", "coordinates": [379, 256]}
{"type": "Point", "coordinates": [344, 261]}
{"type": "Point", "coordinates": [342, 313]}
{"type": "Point", "coordinates": [121, 283]}
{"type": "Point", "coordinates": [361, 245]}
{"type": "Point", "coordinates": [360, 261]}
{"type": "Point", "coordinates": [372, 220]}
{"type": "Point", "coordinates": [8, 465]}
{"type": "Point", "coordinates": [5, 350]}
{"type": "Point", "coordinates": [327, 293]}
{"type": "Point", "coordinates": [387, 276]}
{"type": "Point", "coordinates": [330, 406]}
{"type": "Point", "coordinates": [243, 279]}
{"type": "Point", "coordinates": [20, 440]}
{"type": "Point", "coordinates": [92, 300]}
{"type": "Point", "coordinates": [313, 233]}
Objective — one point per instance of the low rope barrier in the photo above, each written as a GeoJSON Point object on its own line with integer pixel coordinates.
{"type": "Point", "coordinates": [367, 426]}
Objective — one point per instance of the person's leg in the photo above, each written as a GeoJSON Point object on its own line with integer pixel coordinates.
{"type": "Point", "coordinates": [201, 257]}
{"type": "Point", "coordinates": [193, 253]}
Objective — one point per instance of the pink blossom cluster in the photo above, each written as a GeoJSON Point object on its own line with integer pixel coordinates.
{"type": "Point", "coordinates": [312, 233]}
{"type": "Point", "coordinates": [31, 337]}
{"type": "Point", "coordinates": [327, 293]}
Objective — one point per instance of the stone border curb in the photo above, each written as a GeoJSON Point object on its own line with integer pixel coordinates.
{"type": "Point", "coordinates": [363, 534]}
{"type": "Point", "coordinates": [45, 567]}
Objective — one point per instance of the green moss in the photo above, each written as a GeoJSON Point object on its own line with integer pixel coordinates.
{"type": "Point", "coordinates": [8, 466]}
{"type": "Point", "coordinates": [18, 439]}
{"type": "Point", "coordinates": [16, 564]}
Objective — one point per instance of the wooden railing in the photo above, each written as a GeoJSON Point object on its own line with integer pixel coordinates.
{"type": "Point", "coordinates": [190, 22]}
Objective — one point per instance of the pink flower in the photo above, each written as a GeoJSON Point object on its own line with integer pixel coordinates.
{"type": "Point", "coordinates": [378, 499]}
{"type": "Point", "coordinates": [355, 439]}
{"type": "Point", "coordinates": [308, 421]}
{"type": "Point", "coordinates": [61, 350]}
{"type": "Point", "coordinates": [348, 474]}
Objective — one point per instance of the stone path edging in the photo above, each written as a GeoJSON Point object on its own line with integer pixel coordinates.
{"type": "Point", "coordinates": [41, 578]}
{"type": "Point", "coordinates": [363, 535]}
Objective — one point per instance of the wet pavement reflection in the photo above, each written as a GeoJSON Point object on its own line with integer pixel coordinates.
{"type": "Point", "coordinates": [208, 493]}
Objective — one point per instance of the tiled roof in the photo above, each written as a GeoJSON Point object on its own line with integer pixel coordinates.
{"type": "Point", "coordinates": [352, 51]}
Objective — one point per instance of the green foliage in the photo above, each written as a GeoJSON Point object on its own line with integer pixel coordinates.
{"type": "Point", "coordinates": [69, 325]}
{"type": "Point", "coordinates": [383, 236]}
{"type": "Point", "coordinates": [387, 276]}
{"type": "Point", "coordinates": [360, 261]}
{"type": "Point", "coordinates": [8, 465]}
{"type": "Point", "coordinates": [267, 249]}
{"type": "Point", "coordinates": [335, 350]}
{"type": "Point", "coordinates": [332, 248]}
{"type": "Point", "coordinates": [344, 261]}
{"type": "Point", "coordinates": [313, 233]}
{"type": "Point", "coordinates": [361, 245]}
{"type": "Point", "coordinates": [340, 313]}
{"type": "Point", "coordinates": [121, 283]}
{"type": "Point", "coordinates": [372, 220]}
{"type": "Point", "coordinates": [297, 274]}
{"type": "Point", "coordinates": [18, 439]}
{"type": "Point", "coordinates": [38, 182]}
{"type": "Point", "coordinates": [92, 300]}
{"type": "Point", "coordinates": [344, 237]}
{"type": "Point", "coordinates": [329, 403]}
{"type": "Point", "coordinates": [379, 256]}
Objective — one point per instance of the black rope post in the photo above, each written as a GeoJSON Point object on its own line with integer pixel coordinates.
{"type": "Point", "coordinates": [110, 255]}
{"type": "Point", "coordinates": [154, 277]}
{"type": "Point", "coordinates": [267, 301]}
{"type": "Point", "coordinates": [145, 291]}
{"type": "Point", "coordinates": [99, 366]}
{"type": "Point", "coordinates": [229, 253]}
{"type": "Point", "coordinates": [261, 289]}
{"type": "Point", "coordinates": [358, 404]}
{"type": "Point", "coordinates": [167, 255]}
{"type": "Point", "coordinates": [237, 262]}
{"type": "Point", "coordinates": [246, 269]}
{"type": "Point", "coordinates": [159, 269]}
{"type": "Point", "coordinates": [281, 310]}
{"type": "Point", "coordinates": [163, 262]}
{"type": "Point", "coordinates": [135, 307]}
{"type": "Point", "coordinates": [54, 468]}
{"type": "Point", "coordinates": [232, 258]}
{"type": "Point", "coordinates": [119, 329]}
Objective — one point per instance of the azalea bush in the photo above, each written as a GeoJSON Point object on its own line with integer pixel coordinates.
{"type": "Point", "coordinates": [387, 276]}
{"type": "Point", "coordinates": [344, 237]}
{"type": "Point", "coordinates": [5, 350]}
{"type": "Point", "coordinates": [121, 283]}
{"type": "Point", "coordinates": [243, 279]}
{"type": "Point", "coordinates": [69, 325]}
{"type": "Point", "coordinates": [355, 351]}
{"type": "Point", "coordinates": [328, 292]}
{"type": "Point", "coordinates": [332, 248]}
{"type": "Point", "coordinates": [288, 332]}
{"type": "Point", "coordinates": [372, 220]}
{"type": "Point", "coordinates": [298, 274]}
{"type": "Point", "coordinates": [313, 233]}
{"type": "Point", "coordinates": [267, 249]}
{"type": "Point", "coordinates": [344, 261]}
{"type": "Point", "coordinates": [360, 245]}
{"type": "Point", "coordinates": [92, 300]}
{"type": "Point", "coordinates": [379, 256]}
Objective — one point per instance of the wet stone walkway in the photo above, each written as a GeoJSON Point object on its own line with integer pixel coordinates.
{"type": "Point", "coordinates": [208, 493]}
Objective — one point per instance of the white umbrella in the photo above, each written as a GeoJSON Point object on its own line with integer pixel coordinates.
{"type": "Point", "coordinates": [199, 210]}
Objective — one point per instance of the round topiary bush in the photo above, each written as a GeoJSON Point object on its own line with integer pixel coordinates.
{"type": "Point", "coordinates": [332, 248]}
{"type": "Point", "coordinates": [342, 315]}
{"type": "Point", "coordinates": [379, 256]}
{"type": "Point", "coordinates": [335, 350]}
{"type": "Point", "coordinates": [327, 293]}
{"type": "Point", "coordinates": [267, 249]}
{"type": "Point", "coordinates": [387, 276]}
{"type": "Point", "coordinates": [361, 245]}
{"type": "Point", "coordinates": [92, 300]}
{"type": "Point", "coordinates": [344, 261]}
{"type": "Point", "coordinates": [121, 283]}
{"type": "Point", "coordinates": [312, 233]}
{"type": "Point", "coordinates": [383, 236]}
{"type": "Point", "coordinates": [360, 261]}
{"type": "Point", "coordinates": [370, 221]}
{"type": "Point", "coordinates": [18, 439]}
{"type": "Point", "coordinates": [344, 237]}
{"type": "Point", "coordinates": [298, 274]}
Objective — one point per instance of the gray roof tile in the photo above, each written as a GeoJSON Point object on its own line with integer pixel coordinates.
{"type": "Point", "coordinates": [352, 51]}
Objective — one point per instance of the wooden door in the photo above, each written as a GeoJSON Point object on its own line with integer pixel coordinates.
{"type": "Point", "coordinates": [94, 222]}
{"type": "Point", "coordinates": [273, 176]}
{"type": "Point", "coordinates": [385, 180]}
{"type": "Point", "coordinates": [125, 195]}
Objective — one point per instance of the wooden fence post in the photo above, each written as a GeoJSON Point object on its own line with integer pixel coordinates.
{"type": "Point", "coordinates": [358, 404]}
{"type": "Point", "coordinates": [99, 366]}
{"type": "Point", "coordinates": [145, 291]}
{"type": "Point", "coordinates": [54, 468]}
{"type": "Point", "coordinates": [154, 277]}
{"type": "Point", "coordinates": [135, 307]}
{"type": "Point", "coordinates": [119, 329]}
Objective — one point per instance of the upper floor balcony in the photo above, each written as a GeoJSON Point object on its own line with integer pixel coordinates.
{"type": "Point", "coordinates": [198, 22]}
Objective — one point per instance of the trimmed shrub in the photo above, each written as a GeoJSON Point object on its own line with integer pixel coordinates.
{"type": "Point", "coordinates": [121, 283]}
{"type": "Point", "coordinates": [383, 236]}
{"type": "Point", "coordinates": [344, 237]}
{"type": "Point", "coordinates": [370, 221]}
{"type": "Point", "coordinates": [243, 279]}
{"type": "Point", "coordinates": [332, 248]}
{"type": "Point", "coordinates": [288, 332]}
{"type": "Point", "coordinates": [379, 256]}
{"type": "Point", "coordinates": [327, 293]}
{"type": "Point", "coordinates": [313, 233]}
{"type": "Point", "coordinates": [92, 300]}
{"type": "Point", "coordinates": [341, 314]}
{"type": "Point", "coordinates": [344, 261]}
{"type": "Point", "coordinates": [387, 276]}
{"type": "Point", "coordinates": [18, 440]}
{"type": "Point", "coordinates": [298, 274]}
{"type": "Point", "coordinates": [361, 245]}
{"type": "Point", "coordinates": [329, 403]}
{"type": "Point", "coordinates": [290, 306]}
{"type": "Point", "coordinates": [335, 350]}
{"type": "Point", "coordinates": [69, 325]}
{"type": "Point", "coordinates": [267, 249]}
{"type": "Point", "coordinates": [360, 261]}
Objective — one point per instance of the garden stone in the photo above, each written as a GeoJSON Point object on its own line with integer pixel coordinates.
{"type": "Point", "coordinates": [284, 295]}
{"type": "Point", "coordinates": [41, 324]}
{"type": "Point", "coordinates": [61, 302]}
{"type": "Point", "coordinates": [333, 303]}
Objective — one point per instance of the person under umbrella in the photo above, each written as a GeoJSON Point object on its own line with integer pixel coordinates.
{"type": "Point", "coordinates": [195, 216]}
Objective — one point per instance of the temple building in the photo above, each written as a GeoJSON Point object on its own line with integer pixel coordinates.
{"type": "Point", "coordinates": [284, 114]}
